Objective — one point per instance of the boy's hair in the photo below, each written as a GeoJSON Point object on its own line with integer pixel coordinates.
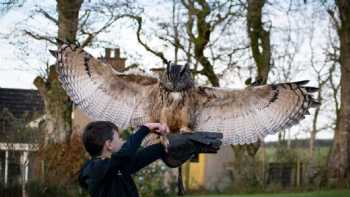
{"type": "Point", "coordinates": [96, 134]}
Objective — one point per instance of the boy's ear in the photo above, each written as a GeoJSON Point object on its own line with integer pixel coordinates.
{"type": "Point", "coordinates": [108, 144]}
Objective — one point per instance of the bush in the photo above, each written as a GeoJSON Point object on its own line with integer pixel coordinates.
{"type": "Point", "coordinates": [10, 191]}
{"type": "Point", "coordinates": [151, 181]}
{"type": "Point", "coordinates": [62, 161]}
{"type": "Point", "coordinates": [40, 189]}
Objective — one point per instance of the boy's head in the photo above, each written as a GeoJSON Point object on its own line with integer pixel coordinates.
{"type": "Point", "coordinates": [101, 137]}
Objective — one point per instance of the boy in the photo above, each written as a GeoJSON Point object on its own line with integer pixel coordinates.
{"type": "Point", "coordinates": [113, 161]}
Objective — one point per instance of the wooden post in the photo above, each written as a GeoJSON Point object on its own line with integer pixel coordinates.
{"type": "Point", "coordinates": [187, 167]}
{"type": "Point", "coordinates": [25, 148]}
{"type": "Point", "coordinates": [298, 174]}
{"type": "Point", "coordinates": [26, 166]}
{"type": "Point", "coordinates": [6, 166]}
{"type": "Point", "coordinates": [43, 170]}
{"type": "Point", "coordinates": [263, 149]}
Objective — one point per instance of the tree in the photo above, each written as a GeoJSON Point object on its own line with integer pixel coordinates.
{"type": "Point", "coordinates": [322, 79]}
{"type": "Point", "coordinates": [190, 32]}
{"type": "Point", "coordinates": [339, 157]}
{"type": "Point", "coordinates": [259, 40]}
{"type": "Point", "coordinates": [245, 163]}
{"type": "Point", "coordinates": [192, 36]}
{"type": "Point", "coordinates": [7, 5]}
{"type": "Point", "coordinates": [58, 106]}
{"type": "Point", "coordinates": [62, 152]}
{"type": "Point", "coordinates": [201, 38]}
{"type": "Point", "coordinates": [74, 23]}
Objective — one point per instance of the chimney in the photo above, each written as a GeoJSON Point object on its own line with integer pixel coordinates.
{"type": "Point", "coordinates": [117, 53]}
{"type": "Point", "coordinates": [107, 53]}
{"type": "Point", "coordinates": [112, 57]}
{"type": "Point", "coordinates": [158, 71]}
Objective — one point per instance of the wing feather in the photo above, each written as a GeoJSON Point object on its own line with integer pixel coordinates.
{"type": "Point", "coordinates": [244, 116]}
{"type": "Point", "coordinates": [100, 91]}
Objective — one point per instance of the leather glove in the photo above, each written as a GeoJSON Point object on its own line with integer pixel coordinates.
{"type": "Point", "coordinates": [183, 147]}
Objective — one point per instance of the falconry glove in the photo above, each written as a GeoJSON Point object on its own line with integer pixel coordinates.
{"type": "Point", "coordinates": [183, 147]}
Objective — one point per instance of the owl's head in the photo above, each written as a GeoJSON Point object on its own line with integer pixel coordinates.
{"type": "Point", "coordinates": [177, 78]}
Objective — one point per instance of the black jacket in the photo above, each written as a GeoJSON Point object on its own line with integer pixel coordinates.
{"type": "Point", "coordinates": [112, 177]}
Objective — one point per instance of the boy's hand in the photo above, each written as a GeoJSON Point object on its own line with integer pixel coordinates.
{"type": "Point", "coordinates": [161, 129]}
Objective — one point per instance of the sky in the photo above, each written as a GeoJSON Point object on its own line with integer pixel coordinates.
{"type": "Point", "coordinates": [18, 69]}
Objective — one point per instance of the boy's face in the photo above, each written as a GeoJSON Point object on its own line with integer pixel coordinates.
{"type": "Point", "coordinates": [115, 144]}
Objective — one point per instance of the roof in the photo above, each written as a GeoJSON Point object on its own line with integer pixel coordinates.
{"type": "Point", "coordinates": [21, 102]}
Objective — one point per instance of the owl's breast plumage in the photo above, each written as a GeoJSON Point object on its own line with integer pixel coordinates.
{"type": "Point", "coordinates": [175, 110]}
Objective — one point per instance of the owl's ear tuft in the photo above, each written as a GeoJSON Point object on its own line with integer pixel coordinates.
{"type": "Point", "coordinates": [185, 68]}
{"type": "Point", "coordinates": [59, 41]}
{"type": "Point", "coordinates": [54, 53]}
{"type": "Point", "coordinates": [168, 68]}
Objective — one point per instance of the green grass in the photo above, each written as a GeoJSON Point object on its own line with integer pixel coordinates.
{"type": "Point", "coordinates": [333, 193]}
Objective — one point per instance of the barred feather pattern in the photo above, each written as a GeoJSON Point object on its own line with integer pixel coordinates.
{"type": "Point", "coordinates": [100, 91]}
{"type": "Point", "coordinates": [244, 116]}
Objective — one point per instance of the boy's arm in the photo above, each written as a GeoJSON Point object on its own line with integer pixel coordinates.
{"type": "Point", "coordinates": [128, 149]}
{"type": "Point", "coordinates": [133, 142]}
{"type": "Point", "coordinates": [146, 156]}
{"type": "Point", "coordinates": [131, 146]}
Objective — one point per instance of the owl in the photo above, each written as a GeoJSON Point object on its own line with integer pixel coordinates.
{"type": "Point", "coordinates": [130, 99]}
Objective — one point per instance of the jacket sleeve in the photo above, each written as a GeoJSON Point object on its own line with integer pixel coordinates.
{"type": "Point", "coordinates": [146, 156]}
{"type": "Point", "coordinates": [130, 147]}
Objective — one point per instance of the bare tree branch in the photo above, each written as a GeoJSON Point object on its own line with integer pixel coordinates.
{"type": "Point", "coordinates": [201, 40]}
{"type": "Point", "coordinates": [334, 19]}
{"type": "Point", "coordinates": [138, 34]}
{"type": "Point", "coordinates": [48, 16]}
{"type": "Point", "coordinates": [334, 87]}
{"type": "Point", "coordinates": [40, 37]}
{"type": "Point", "coordinates": [7, 5]}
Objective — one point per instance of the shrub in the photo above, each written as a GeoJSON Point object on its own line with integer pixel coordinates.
{"type": "Point", "coordinates": [151, 181]}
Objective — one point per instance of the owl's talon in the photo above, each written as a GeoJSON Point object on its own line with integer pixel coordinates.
{"type": "Point", "coordinates": [165, 142]}
{"type": "Point", "coordinates": [185, 130]}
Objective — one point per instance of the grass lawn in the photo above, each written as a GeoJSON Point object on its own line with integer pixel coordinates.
{"type": "Point", "coordinates": [333, 193]}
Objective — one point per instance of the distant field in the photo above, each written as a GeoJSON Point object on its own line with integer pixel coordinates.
{"type": "Point", "coordinates": [334, 193]}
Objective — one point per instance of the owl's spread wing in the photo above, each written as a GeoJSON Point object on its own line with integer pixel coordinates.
{"type": "Point", "coordinates": [244, 116]}
{"type": "Point", "coordinates": [100, 91]}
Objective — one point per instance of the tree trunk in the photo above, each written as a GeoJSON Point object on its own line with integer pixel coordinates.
{"type": "Point", "coordinates": [58, 106]}
{"type": "Point", "coordinates": [259, 38]}
{"type": "Point", "coordinates": [245, 168]}
{"type": "Point", "coordinates": [312, 171]}
{"type": "Point", "coordinates": [313, 135]}
{"type": "Point", "coordinates": [175, 23]}
{"type": "Point", "coordinates": [201, 36]}
{"type": "Point", "coordinates": [68, 18]}
{"type": "Point", "coordinates": [338, 161]}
